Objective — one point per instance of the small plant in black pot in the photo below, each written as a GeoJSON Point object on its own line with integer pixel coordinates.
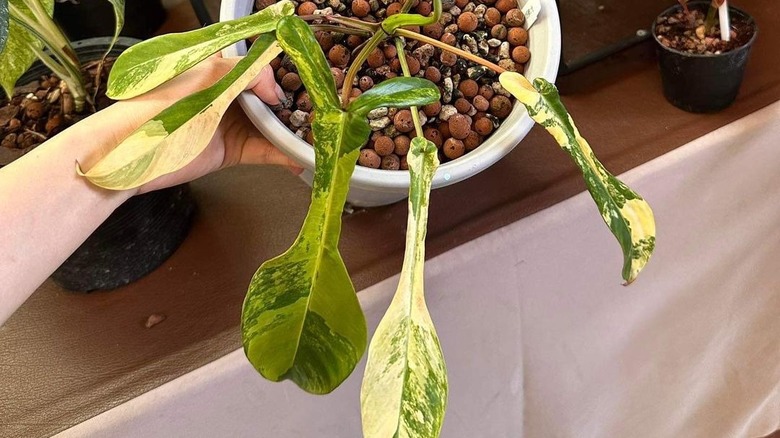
{"type": "Point", "coordinates": [66, 85]}
{"type": "Point", "coordinates": [703, 50]}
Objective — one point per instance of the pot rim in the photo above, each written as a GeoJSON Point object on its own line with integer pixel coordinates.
{"type": "Point", "coordinates": [512, 130]}
{"type": "Point", "coordinates": [739, 49]}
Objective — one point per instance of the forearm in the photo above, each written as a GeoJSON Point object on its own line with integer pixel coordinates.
{"type": "Point", "coordinates": [47, 211]}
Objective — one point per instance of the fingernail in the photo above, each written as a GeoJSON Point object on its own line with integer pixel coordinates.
{"type": "Point", "coordinates": [280, 94]}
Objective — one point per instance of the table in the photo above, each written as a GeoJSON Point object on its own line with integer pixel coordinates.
{"type": "Point", "coordinates": [65, 358]}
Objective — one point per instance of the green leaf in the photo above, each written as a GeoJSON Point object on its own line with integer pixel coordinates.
{"type": "Point", "coordinates": [17, 56]}
{"type": "Point", "coordinates": [3, 23]}
{"type": "Point", "coordinates": [404, 392]}
{"type": "Point", "coordinates": [153, 62]}
{"type": "Point", "coordinates": [119, 21]}
{"type": "Point", "coordinates": [174, 137]}
{"type": "Point", "coordinates": [626, 214]}
{"type": "Point", "coordinates": [396, 92]}
{"type": "Point", "coordinates": [301, 318]}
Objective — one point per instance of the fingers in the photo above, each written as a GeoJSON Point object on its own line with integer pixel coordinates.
{"type": "Point", "coordinates": [266, 88]}
{"type": "Point", "coordinates": [258, 150]}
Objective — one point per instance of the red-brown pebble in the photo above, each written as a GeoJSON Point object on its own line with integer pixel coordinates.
{"type": "Point", "coordinates": [444, 129]}
{"type": "Point", "coordinates": [432, 109]}
{"type": "Point", "coordinates": [384, 146]}
{"type": "Point", "coordinates": [404, 163]}
{"type": "Point", "coordinates": [338, 76]}
{"type": "Point", "coordinates": [486, 91]}
{"type": "Point", "coordinates": [403, 121]}
{"type": "Point", "coordinates": [433, 135]}
{"type": "Point", "coordinates": [433, 74]}
{"type": "Point", "coordinates": [353, 41]}
{"type": "Point", "coordinates": [435, 30]}
{"type": "Point", "coordinates": [365, 83]}
{"type": "Point", "coordinates": [462, 105]}
{"type": "Point", "coordinates": [391, 162]}
{"type": "Point", "coordinates": [303, 102]}
{"type": "Point", "coordinates": [453, 148]}
{"type": "Point", "coordinates": [448, 58]}
{"type": "Point", "coordinates": [449, 39]}
{"type": "Point", "coordinates": [472, 141]}
{"type": "Point", "coordinates": [517, 36]}
{"type": "Point", "coordinates": [393, 9]}
{"type": "Point", "coordinates": [500, 106]}
{"type": "Point", "coordinates": [492, 17]}
{"type": "Point", "coordinates": [459, 126]}
{"type": "Point", "coordinates": [480, 103]}
{"type": "Point", "coordinates": [515, 18]}
{"type": "Point", "coordinates": [309, 136]}
{"type": "Point", "coordinates": [402, 144]}
{"type": "Point", "coordinates": [360, 8]}
{"type": "Point", "coordinates": [461, 3]}
{"type": "Point", "coordinates": [467, 22]}
{"type": "Point", "coordinates": [275, 63]}
{"type": "Point", "coordinates": [325, 39]}
{"type": "Point", "coordinates": [469, 88]}
{"type": "Point", "coordinates": [498, 31]}
{"type": "Point", "coordinates": [355, 92]}
{"type": "Point", "coordinates": [369, 158]}
{"type": "Point", "coordinates": [376, 58]}
{"type": "Point", "coordinates": [307, 8]}
{"type": "Point", "coordinates": [390, 51]}
{"type": "Point", "coordinates": [339, 55]}
{"type": "Point", "coordinates": [506, 5]}
{"type": "Point", "coordinates": [291, 81]}
{"type": "Point", "coordinates": [414, 65]}
{"type": "Point", "coordinates": [521, 54]}
{"type": "Point", "coordinates": [424, 8]}
{"type": "Point", "coordinates": [280, 72]}
{"type": "Point", "coordinates": [284, 115]}
{"type": "Point", "coordinates": [483, 126]}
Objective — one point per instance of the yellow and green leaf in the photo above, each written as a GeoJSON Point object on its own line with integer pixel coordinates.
{"type": "Point", "coordinates": [404, 392]}
{"type": "Point", "coordinates": [17, 56]}
{"type": "Point", "coordinates": [627, 215]}
{"type": "Point", "coordinates": [174, 137]}
{"type": "Point", "coordinates": [301, 318]}
{"type": "Point", "coordinates": [153, 62]}
{"type": "Point", "coordinates": [4, 22]}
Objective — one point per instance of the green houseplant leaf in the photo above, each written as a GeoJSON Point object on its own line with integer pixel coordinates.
{"type": "Point", "coordinates": [301, 318]}
{"type": "Point", "coordinates": [626, 214]}
{"type": "Point", "coordinates": [17, 56]}
{"type": "Point", "coordinates": [119, 19]}
{"type": "Point", "coordinates": [3, 23]}
{"type": "Point", "coordinates": [173, 138]}
{"type": "Point", "coordinates": [404, 392]}
{"type": "Point", "coordinates": [153, 62]}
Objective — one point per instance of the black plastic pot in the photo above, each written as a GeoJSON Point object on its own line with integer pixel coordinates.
{"type": "Point", "coordinates": [85, 19]}
{"type": "Point", "coordinates": [140, 235]}
{"type": "Point", "coordinates": [703, 83]}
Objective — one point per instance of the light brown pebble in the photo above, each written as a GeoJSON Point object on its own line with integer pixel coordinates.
{"type": "Point", "coordinates": [435, 30]}
{"type": "Point", "coordinates": [517, 36]}
{"type": "Point", "coordinates": [369, 158]}
{"type": "Point", "coordinates": [309, 136]}
{"type": "Point", "coordinates": [459, 126]}
{"type": "Point", "coordinates": [338, 76]}
{"type": "Point", "coordinates": [506, 5]}
{"type": "Point", "coordinates": [353, 41]}
{"type": "Point", "coordinates": [34, 109]}
{"type": "Point", "coordinates": [307, 8]}
{"type": "Point", "coordinates": [393, 9]}
{"type": "Point", "coordinates": [413, 64]}
{"type": "Point", "coordinates": [461, 3]}
{"type": "Point", "coordinates": [291, 82]}
{"type": "Point", "coordinates": [500, 106]}
{"type": "Point", "coordinates": [483, 126]}
{"type": "Point", "coordinates": [390, 51]}
{"type": "Point", "coordinates": [303, 102]}
{"type": "Point", "coordinates": [469, 88]}
{"type": "Point", "coordinates": [492, 17]}
{"type": "Point", "coordinates": [402, 144]}
{"type": "Point", "coordinates": [521, 54]}
{"type": "Point", "coordinates": [339, 55]}
{"type": "Point", "coordinates": [424, 8]}
{"type": "Point", "coordinates": [404, 163]}
{"type": "Point", "coordinates": [284, 115]}
{"type": "Point", "coordinates": [444, 129]}
{"type": "Point", "coordinates": [453, 148]}
{"type": "Point", "coordinates": [467, 22]}
{"type": "Point", "coordinates": [384, 146]}
{"type": "Point", "coordinates": [391, 162]}
{"type": "Point", "coordinates": [433, 74]}
{"type": "Point", "coordinates": [365, 83]}
{"type": "Point", "coordinates": [480, 103]}
{"type": "Point", "coordinates": [472, 141]}
{"type": "Point", "coordinates": [486, 91]}
{"type": "Point", "coordinates": [376, 58]}
{"type": "Point", "coordinates": [449, 39]}
{"type": "Point", "coordinates": [355, 92]}
{"type": "Point", "coordinates": [280, 72]}
{"type": "Point", "coordinates": [498, 31]}
{"type": "Point", "coordinates": [448, 58]}
{"type": "Point", "coordinates": [433, 135]}
{"type": "Point", "coordinates": [462, 105]}
{"type": "Point", "coordinates": [515, 18]}
{"type": "Point", "coordinates": [325, 39]}
{"type": "Point", "coordinates": [403, 121]}
{"type": "Point", "coordinates": [360, 8]}
{"type": "Point", "coordinates": [432, 109]}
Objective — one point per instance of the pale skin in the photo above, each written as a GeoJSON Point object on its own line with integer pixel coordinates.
{"type": "Point", "coordinates": [47, 210]}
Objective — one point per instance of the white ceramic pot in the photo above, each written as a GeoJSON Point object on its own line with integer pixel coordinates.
{"type": "Point", "coordinates": [373, 187]}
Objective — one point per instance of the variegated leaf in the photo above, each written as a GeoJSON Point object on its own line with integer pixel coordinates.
{"type": "Point", "coordinates": [17, 56]}
{"type": "Point", "coordinates": [404, 392]}
{"type": "Point", "coordinates": [301, 318]}
{"type": "Point", "coordinates": [173, 138]}
{"type": "Point", "coordinates": [627, 215]}
{"type": "Point", "coordinates": [153, 62]}
{"type": "Point", "coordinates": [3, 23]}
{"type": "Point", "coordinates": [119, 20]}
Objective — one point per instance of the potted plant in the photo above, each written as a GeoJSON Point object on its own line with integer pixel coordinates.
{"type": "Point", "coordinates": [703, 49]}
{"type": "Point", "coordinates": [301, 319]}
{"type": "Point", "coordinates": [66, 85]}
{"type": "Point", "coordinates": [373, 187]}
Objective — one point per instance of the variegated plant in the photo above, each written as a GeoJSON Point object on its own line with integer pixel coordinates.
{"type": "Point", "coordinates": [26, 29]}
{"type": "Point", "coordinates": [301, 318]}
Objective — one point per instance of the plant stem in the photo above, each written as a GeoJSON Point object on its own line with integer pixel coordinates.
{"type": "Point", "coordinates": [357, 63]}
{"type": "Point", "coordinates": [399, 45]}
{"type": "Point", "coordinates": [49, 29]}
{"type": "Point", "coordinates": [709, 23]}
{"type": "Point", "coordinates": [353, 23]}
{"type": "Point", "coordinates": [339, 29]}
{"type": "Point", "coordinates": [462, 53]}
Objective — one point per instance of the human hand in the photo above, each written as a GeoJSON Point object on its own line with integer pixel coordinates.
{"type": "Point", "coordinates": [236, 140]}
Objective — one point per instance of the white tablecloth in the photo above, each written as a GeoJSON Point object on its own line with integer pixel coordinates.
{"type": "Point", "coordinates": [541, 339]}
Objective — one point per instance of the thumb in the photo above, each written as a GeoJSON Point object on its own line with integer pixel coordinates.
{"type": "Point", "coordinates": [266, 88]}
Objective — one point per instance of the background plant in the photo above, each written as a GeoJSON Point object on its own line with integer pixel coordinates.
{"type": "Point", "coordinates": [301, 318]}
{"type": "Point", "coordinates": [26, 29]}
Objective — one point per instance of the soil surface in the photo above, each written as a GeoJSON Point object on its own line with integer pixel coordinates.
{"type": "Point", "coordinates": [42, 108]}
{"type": "Point", "coordinates": [687, 32]}
{"type": "Point", "coordinates": [473, 103]}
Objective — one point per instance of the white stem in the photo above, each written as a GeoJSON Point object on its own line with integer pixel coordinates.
{"type": "Point", "coordinates": [725, 22]}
